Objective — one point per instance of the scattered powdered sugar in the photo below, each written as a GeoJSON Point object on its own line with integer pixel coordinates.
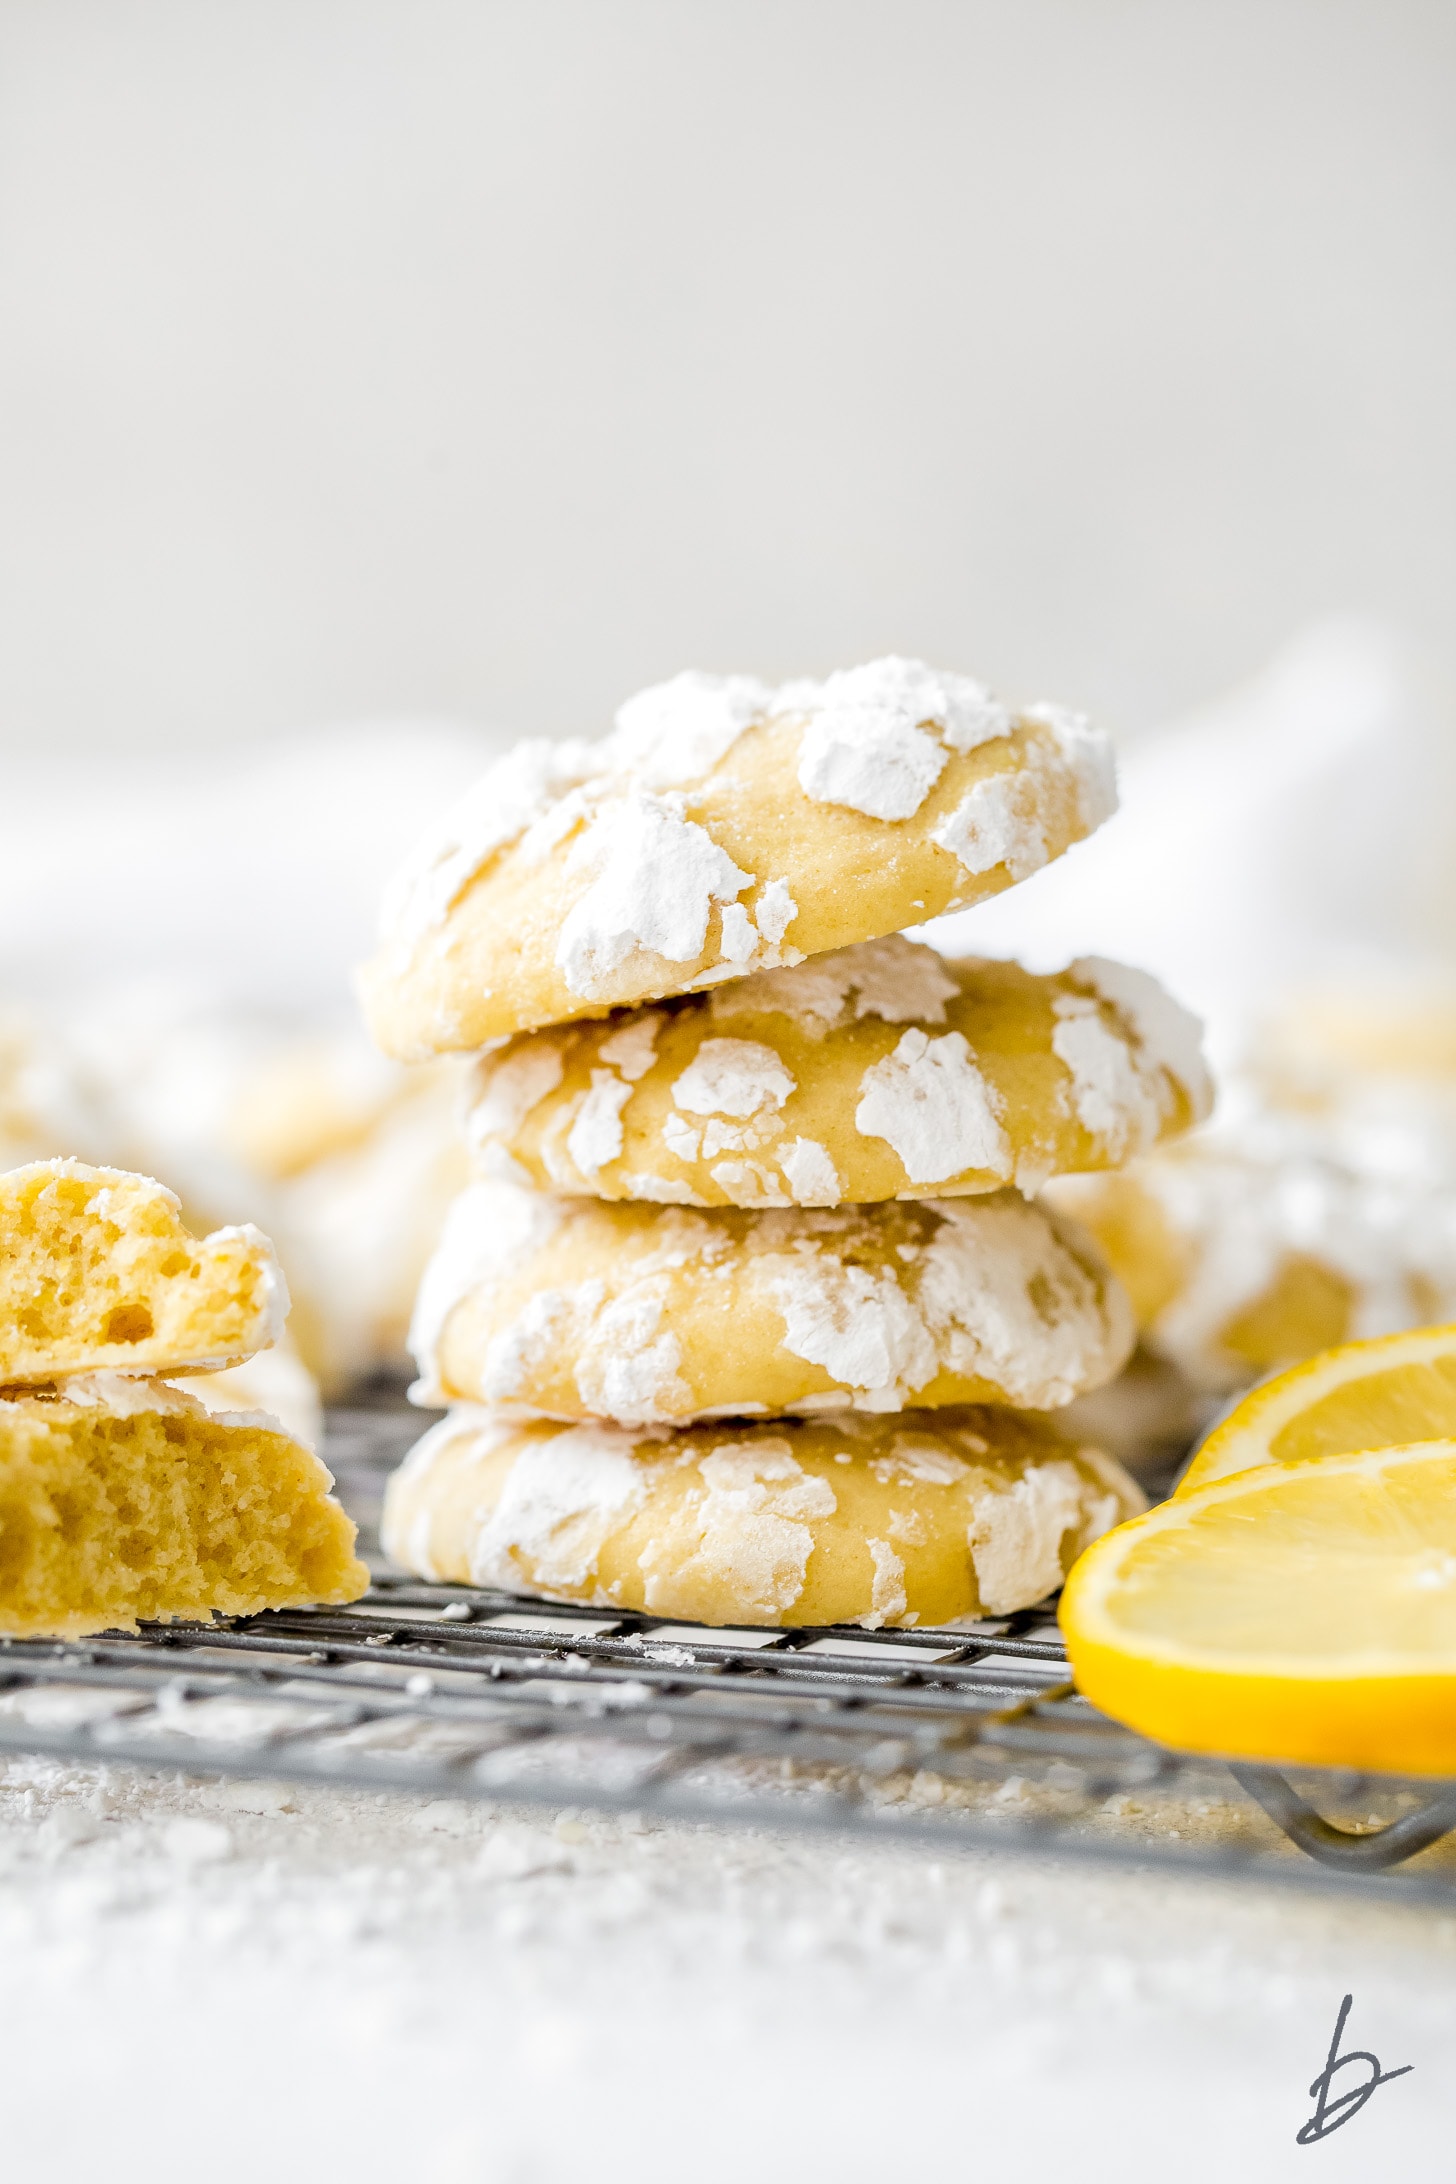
{"type": "Point", "coordinates": [596, 1135]}
{"type": "Point", "coordinates": [677, 731]}
{"type": "Point", "coordinates": [562, 1499]}
{"type": "Point", "coordinates": [510, 1086]}
{"type": "Point", "coordinates": [633, 1049]}
{"type": "Point", "coordinates": [733, 1077]}
{"type": "Point", "coordinates": [657, 877]}
{"type": "Point", "coordinates": [859, 1325]}
{"type": "Point", "coordinates": [753, 1538]}
{"type": "Point", "coordinates": [810, 1173]}
{"type": "Point", "coordinates": [1112, 1096]}
{"type": "Point", "coordinates": [887, 1589]}
{"type": "Point", "coordinates": [494, 812]}
{"type": "Point", "coordinates": [898, 980]}
{"type": "Point", "coordinates": [932, 1105]}
{"type": "Point", "coordinates": [1170, 1036]}
{"type": "Point", "coordinates": [998, 822]}
{"type": "Point", "coordinates": [1016, 1535]}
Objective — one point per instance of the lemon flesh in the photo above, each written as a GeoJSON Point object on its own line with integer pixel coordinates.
{"type": "Point", "coordinates": [1304, 1614]}
{"type": "Point", "coordinates": [1388, 1393]}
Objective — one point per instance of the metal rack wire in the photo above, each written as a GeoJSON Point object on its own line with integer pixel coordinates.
{"type": "Point", "coordinates": [970, 1735]}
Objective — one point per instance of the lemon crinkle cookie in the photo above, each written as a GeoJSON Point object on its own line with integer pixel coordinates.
{"type": "Point", "coordinates": [97, 1272]}
{"type": "Point", "coordinates": [124, 1499]}
{"type": "Point", "coordinates": [926, 1518]}
{"type": "Point", "coordinates": [723, 827]}
{"type": "Point", "coordinates": [570, 1308]}
{"type": "Point", "coordinates": [1244, 1252]}
{"type": "Point", "coordinates": [877, 1071]}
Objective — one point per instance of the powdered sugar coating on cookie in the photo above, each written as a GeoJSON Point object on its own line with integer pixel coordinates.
{"type": "Point", "coordinates": [655, 879]}
{"type": "Point", "coordinates": [874, 1072]}
{"type": "Point", "coordinates": [575, 1308]}
{"type": "Point", "coordinates": [931, 1518]}
{"type": "Point", "coordinates": [933, 1105]}
{"type": "Point", "coordinates": [722, 828]}
{"type": "Point", "coordinates": [878, 737]}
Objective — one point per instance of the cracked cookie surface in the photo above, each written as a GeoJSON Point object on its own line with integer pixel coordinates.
{"type": "Point", "coordinates": [926, 1518]}
{"type": "Point", "coordinates": [722, 828]}
{"type": "Point", "coordinates": [879, 1071]}
{"type": "Point", "coordinates": [574, 1308]}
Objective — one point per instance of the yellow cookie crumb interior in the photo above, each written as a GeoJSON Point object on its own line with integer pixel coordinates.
{"type": "Point", "coordinates": [97, 1272]}
{"type": "Point", "coordinates": [106, 1520]}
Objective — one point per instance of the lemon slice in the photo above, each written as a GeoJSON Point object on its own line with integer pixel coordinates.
{"type": "Point", "coordinates": [1383, 1394]}
{"type": "Point", "coordinates": [1304, 1613]}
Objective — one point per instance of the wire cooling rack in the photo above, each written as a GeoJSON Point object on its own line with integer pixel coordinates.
{"type": "Point", "coordinates": [972, 1735]}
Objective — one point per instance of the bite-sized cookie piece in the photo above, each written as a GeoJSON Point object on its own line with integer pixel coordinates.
{"type": "Point", "coordinates": [924, 1518]}
{"type": "Point", "coordinates": [123, 1500]}
{"type": "Point", "coordinates": [97, 1272]}
{"type": "Point", "coordinates": [572, 1308]}
{"type": "Point", "coordinates": [723, 827]}
{"type": "Point", "coordinates": [880, 1071]}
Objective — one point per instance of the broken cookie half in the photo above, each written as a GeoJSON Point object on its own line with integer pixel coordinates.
{"type": "Point", "coordinates": [125, 1501]}
{"type": "Point", "coordinates": [98, 1273]}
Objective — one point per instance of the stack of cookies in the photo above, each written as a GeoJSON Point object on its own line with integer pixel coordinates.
{"type": "Point", "coordinates": [753, 1315]}
{"type": "Point", "coordinates": [122, 1495]}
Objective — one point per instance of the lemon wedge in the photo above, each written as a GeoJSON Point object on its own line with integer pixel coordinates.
{"type": "Point", "coordinates": [1382, 1394]}
{"type": "Point", "coordinates": [1303, 1613]}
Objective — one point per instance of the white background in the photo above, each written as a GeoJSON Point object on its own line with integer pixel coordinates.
{"type": "Point", "coordinates": [375, 356]}
{"type": "Point", "coordinates": [449, 357]}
